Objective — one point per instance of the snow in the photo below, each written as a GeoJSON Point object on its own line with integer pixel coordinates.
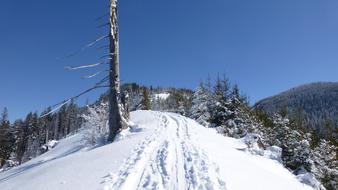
{"type": "Point", "coordinates": [274, 153]}
{"type": "Point", "coordinates": [162, 96]}
{"type": "Point", "coordinates": [309, 179]}
{"type": "Point", "coordinates": [51, 144]}
{"type": "Point", "coordinates": [162, 151]}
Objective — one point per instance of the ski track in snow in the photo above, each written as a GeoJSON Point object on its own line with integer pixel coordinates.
{"type": "Point", "coordinates": [165, 151]}
{"type": "Point", "coordinates": [168, 159]}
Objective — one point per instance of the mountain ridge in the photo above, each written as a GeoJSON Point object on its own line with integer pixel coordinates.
{"type": "Point", "coordinates": [316, 103]}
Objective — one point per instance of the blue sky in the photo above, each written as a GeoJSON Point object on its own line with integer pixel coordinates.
{"type": "Point", "coordinates": [265, 46]}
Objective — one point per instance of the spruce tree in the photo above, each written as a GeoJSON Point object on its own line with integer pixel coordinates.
{"type": "Point", "coordinates": [220, 112]}
{"type": "Point", "coordinates": [6, 138]}
{"type": "Point", "coordinates": [145, 103]}
{"type": "Point", "coordinates": [21, 141]}
{"type": "Point", "coordinates": [33, 144]}
{"type": "Point", "coordinates": [325, 164]}
{"type": "Point", "coordinates": [200, 110]}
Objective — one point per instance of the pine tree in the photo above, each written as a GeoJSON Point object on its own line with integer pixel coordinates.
{"type": "Point", "coordinates": [220, 112]}
{"type": "Point", "coordinates": [33, 140]}
{"type": "Point", "coordinates": [200, 110]}
{"type": "Point", "coordinates": [73, 118]}
{"type": "Point", "coordinates": [283, 112]}
{"type": "Point", "coordinates": [21, 142]}
{"type": "Point", "coordinates": [46, 123]}
{"type": "Point", "coordinates": [145, 102]}
{"type": "Point", "coordinates": [6, 138]}
{"type": "Point", "coordinates": [63, 122]}
{"type": "Point", "coordinates": [294, 143]}
{"type": "Point", "coordinates": [4, 117]}
{"type": "Point", "coordinates": [328, 130]}
{"type": "Point", "coordinates": [325, 164]}
{"type": "Point", "coordinates": [298, 120]}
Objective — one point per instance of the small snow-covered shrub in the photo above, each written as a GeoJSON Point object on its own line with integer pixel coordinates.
{"type": "Point", "coordinates": [8, 165]}
{"type": "Point", "coordinates": [274, 153]}
{"type": "Point", "coordinates": [96, 125]}
{"type": "Point", "coordinates": [48, 146]}
{"type": "Point", "coordinates": [253, 144]}
{"type": "Point", "coordinates": [309, 179]}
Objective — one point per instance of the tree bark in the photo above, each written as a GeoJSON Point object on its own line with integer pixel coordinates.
{"type": "Point", "coordinates": [115, 123]}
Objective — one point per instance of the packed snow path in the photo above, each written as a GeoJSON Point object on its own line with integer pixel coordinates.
{"type": "Point", "coordinates": [181, 155]}
{"type": "Point", "coordinates": [169, 159]}
{"type": "Point", "coordinates": [162, 151]}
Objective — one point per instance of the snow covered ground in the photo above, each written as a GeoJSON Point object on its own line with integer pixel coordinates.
{"type": "Point", "coordinates": [164, 151]}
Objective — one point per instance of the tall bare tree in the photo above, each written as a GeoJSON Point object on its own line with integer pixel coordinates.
{"type": "Point", "coordinates": [116, 117]}
{"type": "Point", "coordinates": [115, 123]}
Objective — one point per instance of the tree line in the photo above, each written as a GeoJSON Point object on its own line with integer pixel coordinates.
{"type": "Point", "coordinates": [23, 139]}
{"type": "Point", "coordinates": [221, 105]}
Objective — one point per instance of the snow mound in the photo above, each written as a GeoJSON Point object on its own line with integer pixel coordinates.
{"type": "Point", "coordinates": [48, 146]}
{"type": "Point", "coordinates": [274, 153]}
{"type": "Point", "coordinates": [310, 179]}
{"type": "Point", "coordinates": [161, 151]}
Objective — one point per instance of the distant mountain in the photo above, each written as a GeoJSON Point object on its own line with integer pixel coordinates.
{"type": "Point", "coordinates": [317, 103]}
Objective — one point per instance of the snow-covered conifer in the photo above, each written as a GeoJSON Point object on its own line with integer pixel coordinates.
{"type": "Point", "coordinates": [200, 110]}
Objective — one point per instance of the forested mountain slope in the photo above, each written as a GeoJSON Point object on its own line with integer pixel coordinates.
{"type": "Point", "coordinates": [315, 103]}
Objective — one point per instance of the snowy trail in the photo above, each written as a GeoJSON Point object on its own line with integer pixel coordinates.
{"type": "Point", "coordinates": [163, 151]}
{"type": "Point", "coordinates": [167, 160]}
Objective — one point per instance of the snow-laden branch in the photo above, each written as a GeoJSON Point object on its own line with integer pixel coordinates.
{"type": "Point", "coordinates": [85, 66]}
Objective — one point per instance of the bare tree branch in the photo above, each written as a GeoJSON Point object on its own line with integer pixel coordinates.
{"type": "Point", "coordinates": [57, 108]}
{"type": "Point", "coordinates": [103, 86]}
{"type": "Point", "coordinates": [93, 75]}
{"type": "Point", "coordinates": [107, 56]}
{"type": "Point", "coordinates": [106, 78]}
{"type": "Point", "coordinates": [97, 40]}
{"type": "Point", "coordinates": [63, 103]}
{"type": "Point", "coordinates": [103, 47]}
{"type": "Point", "coordinates": [102, 17]}
{"type": "Point", "coordinates": [85, 47]}
{"type": "Point", "coordinates": [86, 66]}
{"type": "Point", "coordinates": [103, 25]}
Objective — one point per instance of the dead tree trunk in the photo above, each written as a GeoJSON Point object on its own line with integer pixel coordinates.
{"type": "Point", "coordinates": [115, 123]}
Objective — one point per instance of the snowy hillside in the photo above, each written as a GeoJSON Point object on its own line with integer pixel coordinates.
{"type": "Point", "coordinates": [317, 102]}
{"type": "Point", "coordinates": [164, 151]}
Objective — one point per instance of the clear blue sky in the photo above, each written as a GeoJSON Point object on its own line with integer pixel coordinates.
{"type": "Point", "coordinates": [265, 46]}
